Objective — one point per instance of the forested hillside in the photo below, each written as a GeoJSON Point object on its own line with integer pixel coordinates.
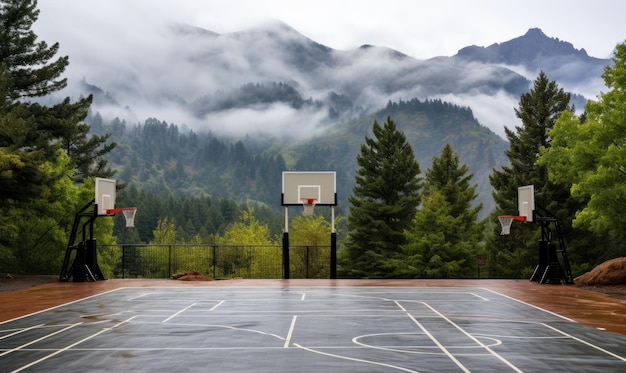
{"type": "Point", "coordinates": [162, 159]}
{"type": "Point", "coordinates": [429, 125]}
{"type": "Point", "coordinates": [168, 159]}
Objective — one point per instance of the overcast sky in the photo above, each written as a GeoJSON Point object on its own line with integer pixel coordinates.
{"type": "Point", "coordinates": [422, 29]}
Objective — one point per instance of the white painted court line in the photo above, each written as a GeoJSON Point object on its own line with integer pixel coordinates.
{"type": "Point", "coordinates": [432, 338]}
{"type": "Point", "coordinates": [217, 305]}
{"type": "Point", "coordinates": [179, 312]}
{"type": "Point", "coordinates": [389, 296]}
{"type": "Point", "coordinates": [21, 331]}
{"type": "Point", "coordinates": [533, 306]}
{"type": "Point", "coordinates": [585, 342]}
{"type": "Point", "coordinates": [355, 359]}
{"type": "Point", "coordinates": [71, 346]}
{"type": "Point", "coordinates": [39, 339]}
{"type": "Point", "coordinates": [407, 349]}
{"type": "Point", "coordinates": [481, 297]}
{"type": "Point", "coordinates": [492, 352]}
{"type": "Point", "coordinates": [288, 339]}
{"type": "Point", "coordinates": [137, 297]}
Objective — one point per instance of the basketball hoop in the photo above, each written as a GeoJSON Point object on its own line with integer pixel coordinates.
{"type": "Point", "coordinates": [129, 215]}
{"type": "Point", "coordinates": [309, 206]}
{"type": "Point", "coordinates": [506, 221]}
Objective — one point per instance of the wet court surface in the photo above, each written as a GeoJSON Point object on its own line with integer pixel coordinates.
{"type": "Point", "coordinates": [305, 329]}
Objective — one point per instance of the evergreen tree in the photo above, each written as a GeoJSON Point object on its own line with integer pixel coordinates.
{"type": "Point", "coordinates": [385, 197]}
{"type": "Point", "coordinates": [27, 70]}
{"type": "Point", "coordinates": [516, 255]}
{"type": "Point", "coordinates": [453, 181]}
{"type": "Point", "coordinates": [31, 73]}
{"type": "Point", "coordinates": [446, 234]}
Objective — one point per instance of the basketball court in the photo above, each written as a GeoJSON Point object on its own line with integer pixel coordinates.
{"type": "Point", "coordinates": [287, 328]}
{"type": "Point", "coordinates": [306, 326]}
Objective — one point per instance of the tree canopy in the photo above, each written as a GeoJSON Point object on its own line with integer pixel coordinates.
{"type": "Point", "coordinates": [588, 152]}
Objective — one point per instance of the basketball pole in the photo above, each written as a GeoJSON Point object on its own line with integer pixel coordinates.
{"type": "Point", "coordinates": [333, 245]}
{"type": "Point", "coordinates": [286, 274]}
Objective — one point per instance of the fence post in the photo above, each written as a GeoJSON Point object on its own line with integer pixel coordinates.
{"type": "Point", "coordinates": [286, 273]}
{"type": "Point", "coordinates": [249, 261]}
{"type": "Point", "coordinates": [306, 261]}
{"type": "Point", "coordinates": [214, 260]}
{"type": "Point", "coordinates": [333, 256]}
{"type": "Point", "coordinates": [169, 261]}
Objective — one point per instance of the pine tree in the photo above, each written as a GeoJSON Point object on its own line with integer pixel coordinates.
{"type": "Point", "coordinates": [516, 255]}
{"type": "Point", "coordinates": [453, 181]}
{"type": "Point", "coordinates": [446, 234]}
{"type": "Point", "coordinates": [385, 197]}
{"type": "Point", "coordinates": [28, 70]}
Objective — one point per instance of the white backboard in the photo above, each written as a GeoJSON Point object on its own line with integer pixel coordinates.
{"type": "Point", "coordinates": [526, 201]}
{"type": "Point", "coordinates": [105, 195]}
{"type": "Point", "coordinates": [320, 185]}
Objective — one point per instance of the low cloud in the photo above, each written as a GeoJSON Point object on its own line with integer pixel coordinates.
{"type": "Point", "coordinates": [158, 68]}
{"type": "Point", "coordinates": [278, 120]}
{"type": "Point", "coordinates": [492, 111]}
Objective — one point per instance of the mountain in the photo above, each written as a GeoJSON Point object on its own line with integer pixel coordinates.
{"type": "Point", "coordinates": [267, 78]}
{"type": "Point", "coordinates": [572, 68]}
{"type": "Point", "coordinates": [268, 99]}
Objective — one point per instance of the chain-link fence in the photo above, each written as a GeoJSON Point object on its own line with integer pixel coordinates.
{"type": "Point", "coordinates": [215, 261]}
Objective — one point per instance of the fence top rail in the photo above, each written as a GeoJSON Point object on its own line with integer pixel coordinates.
{"type": "Point", "coordinates": [201, 245]}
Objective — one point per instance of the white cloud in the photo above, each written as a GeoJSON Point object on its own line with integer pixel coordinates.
{"type": "Point", "coordinates": [278, 119]}
{"type": "Point", "coordinates": [492, 111]}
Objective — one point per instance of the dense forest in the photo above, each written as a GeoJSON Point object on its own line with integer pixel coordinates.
{"type": "Point", "coordinates": [158, 158]}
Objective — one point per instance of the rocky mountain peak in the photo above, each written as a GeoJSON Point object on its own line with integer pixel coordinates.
{"type": "Point", "coordinates": [527, 49]}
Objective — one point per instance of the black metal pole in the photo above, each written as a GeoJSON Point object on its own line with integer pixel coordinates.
{"type": "Point", "coordinates": [286, 256]}
{"type": "Point", "coordinates": [333, 255]}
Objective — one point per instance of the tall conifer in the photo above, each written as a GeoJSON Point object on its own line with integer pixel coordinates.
{"type": "Point", "coordinates": [385, 197]}
{"type": "Point", "coordinates": [29, 69]}
{"type": "Point", "coordinates": [516, 255]}
{"type": "Point", "coordinates": [446, 236]}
